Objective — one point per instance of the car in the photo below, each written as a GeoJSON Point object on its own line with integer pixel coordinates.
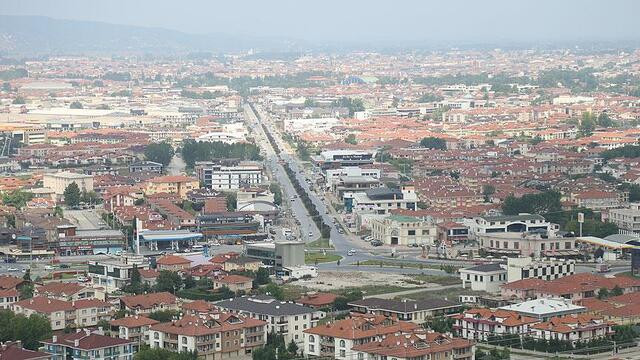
{"type": "Point", "coordinates": [376, 243]}
{"type": "Point", "coordinates": [48, 267]}
{"type": "Point", "coordinates": [12, 269]}
{"type": "Point", "coordinates": [340, 231]}
{"type": "Point", "coordinates": [310, 234]}
{"type": "Point", "coordinates": [81, 278]}
{"type": "Point", "coordinates": [413, 245]}
{"type": "Point", "coordinates": [351, 252]}
{"type": "Point", "coordinates": [64, 266]}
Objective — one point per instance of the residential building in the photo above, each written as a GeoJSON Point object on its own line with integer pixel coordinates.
{"type": "Point", "coordinates": [416, 311]}
{"type": "Point", "coordinates": [527, 244]}
{"type": "Point", "coordinates": [171, 184]}
{"type": "Point", "coordinates": [381, 200]}
{"type": "Point", "coordinates": [134, 328]}
{"type": "Point", "coordinates": [59, 181]}
{"type": "Point", "coordinates": [219, 336]}
{"type": "Point", "coordinates": [229, 175]}
{"type": "Point", "coordinates": [485, 277]}
{"type": "Point", "coordinates": [173, 263]}
{"type": "Point", "coordinates": [81, 313]}
{"type": "Point", "coordinates": [480, 323]}
{"type": "Point", "coordinates": [573, 328]}
{"type": "Point", "coordinates": [285, 318]}
{"type": "Point", "coordinates": [507, 224]}
{"type": "Point", "coordinates": [404, 230]}
{"type": "Point", "coordinates": [14, 351]}
{"type": "Point", "coordinates": [626, 219]}
{"type": "Point", "coordinates": [146, 167]}
{"type": "Point", "coordinates": [8, 297]}
{"type": "Point", "coordinates": [85, 344]}
{"type": "Point", "coordinates": [234, 283]}
{"type": "Point", "coordinates": [573, 287]}
{"type": "Point", "coordinates": [317, 300]}
{"type": "Point", "coordinates": [148, 303]}
{"type": "Point", "coordinates": [419, 344]}
{"type": "Point", "coordinates": [338, 338]}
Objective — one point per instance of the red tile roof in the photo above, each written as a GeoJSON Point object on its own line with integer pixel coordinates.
{"type": "Point", "coordinates": [133, 321]}
{"type": "Point", "coordinates": [148, 301]}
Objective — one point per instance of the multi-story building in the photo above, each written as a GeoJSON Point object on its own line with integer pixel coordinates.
{"type": "Point", "coordinates": [229, 175]}
{"type": "Point", "coordinates": [285, 318]}
{"type": "Point", "coordinates": [114, 274]}
{"type": "Point", "coordinates": [146, 166]}
{"type": "Point", "coordinates": [404, 230]}
{"type": "Point", "coordinates": [381, 201]}
{"type": "Point", "coordinates": [573, 328]}
{"type": "Point", "coordinates": [171, 184]}
{"type": "Point", "coordinates": [85, 344]}
{"type": "Point", "coordinates": [546, 269]}
{"type": "Point", "coordinates": [485, 277]}
{"type": "Point", "coordinates": [481, 225]}
{"type": "Point", "coordinates": [81, 313]}
{"type": "Point", "coordinates": [480, 324]}
{"type": "Point", "coordinates": [331, 159]}
{"type": "Point", "coordinates": [416, 311]}
{"type": "Point", "coordinates": [544, 309]}
{"type": "Point", "coordinates": [134, 328]}
{"type": "Point", "coordinates": [14, 350]}
{"type": "Point", "coordinates": [337, 339]}
{"type": "Point", "coordinates": [219, 336]}
{"type": "Point", "coordinates": [627, 220]}
{"type": "Point", "coordinates": [529, 244]}
{"type": "Point", "coordinates": [148, 303]}
{"type": "Point", "coordinates": [59, 181]}
{"type": "Point", "coordinates": [173, 263]}
{"type": "Point", "coordinates": [418, 344]}
{"type": "Point", "coordinates": [279, 254]}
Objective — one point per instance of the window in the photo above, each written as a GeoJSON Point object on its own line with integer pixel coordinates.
{"type": "Point", "coordinates": [311, 348]}
{"type": "Point", "coordinates": [156, 335]}
{"type": "Point", "coordinates": [342, 343]}
{"type": "Point", "coordinates": [184, 339]}
{"type": "Point", "coordinates": [343, 353]}
{"type": "Point", "coordinates": [411, 232]}
{"type": "Point", "coordinates": [312, 338]}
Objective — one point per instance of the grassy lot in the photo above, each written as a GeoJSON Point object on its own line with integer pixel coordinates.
{"type": "Point", "coordinates": [407, 264]}
{"type": "Point", "coordinates": [321, 243]}
{"type": "Point", "coordinates": [418, 279]}
{"type": "Point", "coordinates": [450, 294]}
{"type": "Point", "coordinates": [313, 257]}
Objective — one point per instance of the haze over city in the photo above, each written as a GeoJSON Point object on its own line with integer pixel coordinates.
{"type": "Point", "coordinates": [289, 180]}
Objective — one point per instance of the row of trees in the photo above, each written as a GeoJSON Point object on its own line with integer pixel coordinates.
{"type": "Point", "coordinates": [159, 152]}
{"type": "Point", "coordinates": [193, 151]}
{"type": "Point", "coordinates": [146, 353]}
{"type": "Point", "coordinates": [29, 330]}
{"type": "Point", "coordinates": [73, 196]}
{"type": "Point", "coordinates": [542, 203]}
{"type": "Point", "coordinates": [325, 230]}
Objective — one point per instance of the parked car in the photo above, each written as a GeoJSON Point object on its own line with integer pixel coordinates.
{"type": "Point", "coordinates": [12, 269]}
{"type": "Point", "coordinates": [81, 278]}
{"type": "Point", "coordinates": [376, 243]}
{"type": "Point", "coordinates": [351, 252]}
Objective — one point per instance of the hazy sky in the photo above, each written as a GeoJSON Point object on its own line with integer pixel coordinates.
{"type": "Point", "coordinates": [361, 20]}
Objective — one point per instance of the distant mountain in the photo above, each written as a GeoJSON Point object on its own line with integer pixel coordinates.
{"type": "Point", "coordinates": [38, 35]}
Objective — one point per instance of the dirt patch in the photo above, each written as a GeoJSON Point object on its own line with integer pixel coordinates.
{"type": "Point", "coordinates": [331, 280]}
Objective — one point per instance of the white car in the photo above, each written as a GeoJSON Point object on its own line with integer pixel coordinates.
{"type": "Point", "coordinates": [48, 267]}
{"type": "Point", "coordinates": [310, 234]}
{"type": "Point", "coordinates": [82, 278]}
{"type": "Point", "coordinates": [351, 252]}
{"type": "Point", "coordinates": [12, 269]}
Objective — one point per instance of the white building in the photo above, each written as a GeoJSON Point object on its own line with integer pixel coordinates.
{"type": "Point", "coordinates": [382, 200]}
{"type": "Point", "coordinates": [545, 308]}
{"type": "Point", "coordinates": [284, 318]}
{"type": "Point", "coordinates": [310, 124]}
{"type": "Point", "coordinates": [546, 269]}
{"type": "Point", "coordinates": [229, 175]}
{"type": "Point", "coordinates": [486, 277]}
{"type": "Point", "coordinates": [59, 181]}
{"type": "Point", "coordinates": [627, 220]}
{"type": "Point", "coordinates": [509, 223]}
{"type": "Point", "coordinates": [404, 230]}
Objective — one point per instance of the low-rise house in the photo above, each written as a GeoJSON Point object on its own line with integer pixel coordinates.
{"type": "Point", "coordinates": [416, 311]}
{"type": "Point", "coordinates": [573, 328]}
{"type": "Point", "coordinates": [173, 263]}
{"type": "Point", "coordinates": [134, 328]}
{"type": "Point", "coordinates": [15, 351]}
{"type": "Point", "coordinates": [418, 344]}
{"type": "Point", "coordinates": [284, 318]}
{"type": "Point", "coordinates": [317, 300]}
{"type": "Point", "coordinates": [479, 324]}
{"type": "Point", "coordinates": [235, 283]}
{"type": "Point", "coordinates": [485, 277]}
{"type": "Point", "coordinates": [337, 339]}
{"type": "Point", "coordinates": [213, 337]}
{"type": "Point", "coordinates": [8, 297]}
{"type": "Point", "coordinates": [85, 344]}
{"type": "Point", "coordinates": [149, 276]}
{"type": "Point", "coordinates": [148, 303]}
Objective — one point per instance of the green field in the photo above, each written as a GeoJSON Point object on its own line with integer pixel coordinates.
{"type": "Point", "coordinates": [321, 243]}
{"type": "Point", "coordinates": [311, 258]}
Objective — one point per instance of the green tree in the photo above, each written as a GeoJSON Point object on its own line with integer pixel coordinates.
{"type": "Point", "coordinates": [17, 198]}
{"type": "Point", "coordinates": [587, 124]}
{"type": "Point", "coordinates": [163, 315]}
{"type": "Point", "coordinates": [273, 290]}
{"type": "Point", "coordinates": [29, 330]}
{"type": "Point", "coordinates": [432, 142]}
{"type": "Point", "coordinates": [232, 201]}
{"type": "Point", "coordinates": [76, 105]}
{"type": "Point", "coordinates": [604, 120]}
{"type": "Point", "coordinates": [6, 87]}
{"type": "Point", "coordinates": [275, 189]}
{"type": "Point", "coordinates": [168, 281]}
{"type": "Point", "coordinates": [262, 276]}
{"type": "Point", "coordinates": [487, 191]}
{"type": "Point", "coordinates": [146, 353]}
{"type": "Point", "coordinates": [292, 348]}
{"type": "Point", "coordinates": [72, 194]}
{"type": "Point", "coordinates": [603, 293]}
{"type": "Point", "coordinates": [159, 152]}
{"type": "Point", "coordinates": [351, 139]}
{"type": "Point", "coordinates": [26, 291]}
{"type": "Point", "coordinates": [541, 203]}
{"type": "Point", "coordinates": [616, 291]}
{"type": "Point", "coordinates": [309, 103]}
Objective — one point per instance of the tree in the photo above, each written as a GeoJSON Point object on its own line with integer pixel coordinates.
{"type": "Point", "coordinates": [309, 103]}
{"type": "Point", "coordinates": [6, 87]}
{"type": "Point", "coordinates": [189, 282]}
{"type": "Point", "coordinates": [26, 291]}
{"type": "Point", "coordinates": [603, 293]}
{"type": "Point", "coordinates": [292, 348]}
{"type": "Point", "coordinates": [487, 191]}
{"type": "Point", "coordinates": [616, 291]}
{"type": "Point", "coordinates": [604, 120]}
{"type": "Point", "coordinates": [587, 124]}
{"type": "Point", "coordinates": [17, 198]}
{"type": "Point", "coordinates": [351, 139]}
{"type": "Point", "coordinates": [159, 152]}
{"type": "Point", "coordinates": [19, 100]}
{"type": "Point", "coordinates": [277, 193]}
{"type": "Point", "coordinates": [29, 330]}
{"type": "Point", "coordinates": [76, 105]}
{"type": "Point", "coordinates": [432, 142]}
{"type": "Point", "coordinates": [163, 315]}
{"type": "Point", "coordinates": [58, 212]}
{"type": "Point", "coordinates": [274, 290]}
{"type": "Point", "coordinates": [232, 201]}
{"type": "Point", "coordinates": [168, 281]}
{"type": "Point", "coordinates": [72, 194]}
{"type": "Point", "coordinates": [541, 203]}
{"type": "Point", "coordinates": [146, 353]}
{"type": "Point", "coordinates": [262, 276]}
